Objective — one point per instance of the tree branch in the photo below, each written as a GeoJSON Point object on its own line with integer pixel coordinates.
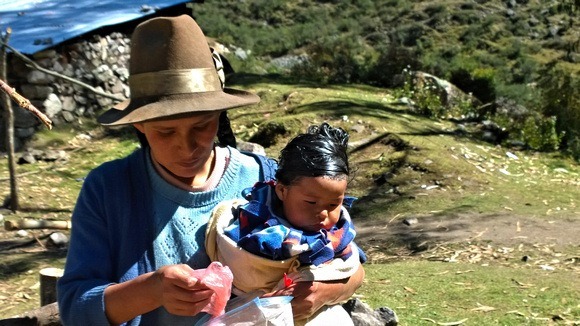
{"type": "Point", "coordinates": [25, 103]}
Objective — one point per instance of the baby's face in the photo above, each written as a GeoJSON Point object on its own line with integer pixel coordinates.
{"type": "Point", "coordinates": [313, 203]}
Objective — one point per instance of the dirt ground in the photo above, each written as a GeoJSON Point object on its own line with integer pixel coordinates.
{"type": "Point", "coordinates": [486, 237]}
{"type": "Point", "coordinates": [506, 229]}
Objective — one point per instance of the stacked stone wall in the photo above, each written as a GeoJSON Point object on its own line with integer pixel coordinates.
{"type": "Point", "coordinates": [99, 61]}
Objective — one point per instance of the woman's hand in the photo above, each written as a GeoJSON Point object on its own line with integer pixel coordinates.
{"type": "Point", "coordinates": [180, 293]}
{"type": "Point", "coordinates": [308, 297]}
{"type": "Point", "coordinates": [172, 287]}
{"type": "Point", "coordinates": [311, 296]}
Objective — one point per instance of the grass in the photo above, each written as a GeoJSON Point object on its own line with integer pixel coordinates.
{"type": "Point", "coordinates": [422, 292]}
{"type": "Point", "coordinates": [410, 152]}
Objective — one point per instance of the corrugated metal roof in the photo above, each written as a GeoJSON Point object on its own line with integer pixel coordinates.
{"type": "Point", "coordinates": [40, 24]}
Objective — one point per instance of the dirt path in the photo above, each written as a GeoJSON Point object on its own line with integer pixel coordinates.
{"type": "Point", "coordinates": [418, 233]}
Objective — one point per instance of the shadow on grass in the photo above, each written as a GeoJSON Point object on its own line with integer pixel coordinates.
{"type": "Point", "coordinates": [43, 210]}
{"type": "Point", "coordinates": [342, 107]}
{"type": "Point", "coordinates": [15, 263]}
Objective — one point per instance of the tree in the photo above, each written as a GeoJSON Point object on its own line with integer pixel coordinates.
{"type": "Point", "coordinates": [9, 129]}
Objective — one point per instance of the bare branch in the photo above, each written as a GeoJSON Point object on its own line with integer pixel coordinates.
{"type": "Point", "coordinates": [25, 103]}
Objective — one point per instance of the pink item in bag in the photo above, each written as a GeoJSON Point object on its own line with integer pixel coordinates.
{"type": "Point", "coordinates": [219, 278]}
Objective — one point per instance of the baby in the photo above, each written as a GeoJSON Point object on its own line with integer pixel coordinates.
{"type": "Point", "coordinates": [293, 229]}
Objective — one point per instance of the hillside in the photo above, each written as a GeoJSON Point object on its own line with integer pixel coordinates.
{"type": "Point", "coordinates": [443, 30]}
{"type": "Point", "coordinates": [520, 60]}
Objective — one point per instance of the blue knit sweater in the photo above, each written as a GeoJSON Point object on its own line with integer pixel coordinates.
{"type": "Point", "coordinates": [129, 221]}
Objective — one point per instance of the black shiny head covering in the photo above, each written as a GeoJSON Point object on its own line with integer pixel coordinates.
{"type": "Point", "coordinates": [320, 152]}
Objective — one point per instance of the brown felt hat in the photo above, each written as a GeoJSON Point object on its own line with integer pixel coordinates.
{"type": "Point", "coordinates": [173, 72]}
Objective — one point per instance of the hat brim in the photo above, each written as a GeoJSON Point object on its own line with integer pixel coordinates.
{"type": "Point", "coordinates": [164, 107]}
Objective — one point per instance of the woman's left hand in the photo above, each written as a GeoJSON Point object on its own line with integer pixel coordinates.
{"type": "Point", "coordinates": [311, 296]}
{"type": "Point", "coordinates": [308, 297]}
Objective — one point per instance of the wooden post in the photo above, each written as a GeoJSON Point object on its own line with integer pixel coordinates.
{"type": "Point", "coordinates": [9, 114]}
{"type": "Point", "coordinates": [48, 278]}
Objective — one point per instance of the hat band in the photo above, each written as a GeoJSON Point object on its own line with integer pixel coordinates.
{"type": "Point", "coordinates": [179, 81]}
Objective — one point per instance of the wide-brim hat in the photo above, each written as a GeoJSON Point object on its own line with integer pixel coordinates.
{"type": "Point", "coordinates": [172, 71]}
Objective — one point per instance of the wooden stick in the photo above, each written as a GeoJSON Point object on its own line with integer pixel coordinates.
{"type": "Point", "coordinates": [36, 224]}
{"type": "Point", "coordinates": [25, 103]}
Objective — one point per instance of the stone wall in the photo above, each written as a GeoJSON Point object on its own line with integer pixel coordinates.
{"type": "Point", "coordinates": [99, 61]}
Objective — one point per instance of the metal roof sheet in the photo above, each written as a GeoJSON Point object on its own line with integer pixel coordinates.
{"type": "Point", "coordinates": [40, 24]}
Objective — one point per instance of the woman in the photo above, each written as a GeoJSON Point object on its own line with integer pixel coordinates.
{"type": "Point", "coordinates": [139, 222]}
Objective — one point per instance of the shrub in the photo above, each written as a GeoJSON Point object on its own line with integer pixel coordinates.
{"type": "Point", "coordinates": [561, 99]}
{"type": "Point", "coordinates": [408, 35]}
{"type": "Point", "coordinates": [480, 82]}
{"type": "Point", "coordinates": [390, 62]}
{"type": "Point", "coordinates": [342, 59]}
{"type": "Point", "coordinates": [540, 133]}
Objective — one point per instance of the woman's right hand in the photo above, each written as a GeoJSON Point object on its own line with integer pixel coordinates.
{"type": "Point", "coordinates": [172, 287]}
{"type": "Point", "coordinates": [181, 293]}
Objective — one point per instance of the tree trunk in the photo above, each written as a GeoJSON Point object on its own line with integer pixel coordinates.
{"type": "Point", "coordinates": [9, 130]}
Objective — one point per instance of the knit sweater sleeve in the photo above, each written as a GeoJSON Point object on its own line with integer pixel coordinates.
{"type": "Point", "coordinates": [80, 290]}
{"type": "Point", "coordinates": [92, 262]}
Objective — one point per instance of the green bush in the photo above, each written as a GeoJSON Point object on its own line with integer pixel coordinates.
{"type": "Point", "coordinates": [561, 99]}
{"type": "Point", "coordinates": [408, 35]}
{"type": "Point", "coordinates": [573, 145]}
{"type": "Point", "coordinates": [390, 62]}
{"type": "Point", "coordinates": [479, 82]}
{"type": "Point", "coordinates": [343, 59]}
{"type": "Point", "coordinates": [540, 133]}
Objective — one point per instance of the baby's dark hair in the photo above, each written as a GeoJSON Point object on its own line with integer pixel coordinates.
{"type": "Point", "coordinates": [320, 152]}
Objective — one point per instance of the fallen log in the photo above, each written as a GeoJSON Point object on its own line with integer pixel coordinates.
{"type": "Point", "coordinates": [36, 224]}
{"type": "Point", "coordinates": [44, 316]}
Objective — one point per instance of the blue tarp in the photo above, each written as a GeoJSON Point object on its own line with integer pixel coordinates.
{"type": "Point", "coordinates": [40, 24]}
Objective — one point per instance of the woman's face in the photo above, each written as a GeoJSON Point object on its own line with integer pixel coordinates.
{"type": "Point", "coordinates": [183, 146]}
{"type": "Point", "coordinates": [312, 203]}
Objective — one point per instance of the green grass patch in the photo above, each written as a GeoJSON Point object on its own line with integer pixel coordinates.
{"type": "Point", "coordinates": [421, 292]}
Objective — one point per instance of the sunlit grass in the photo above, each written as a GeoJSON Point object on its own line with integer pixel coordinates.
{"type": "Point", "coordinates": [421, 292]}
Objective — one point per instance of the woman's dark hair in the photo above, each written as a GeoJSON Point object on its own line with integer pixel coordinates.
{"type": "Point", "coordinates": [225, 134]}
{"type": "Point", "coordinates": [320, 152]}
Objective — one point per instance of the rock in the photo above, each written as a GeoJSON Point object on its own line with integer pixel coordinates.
{"type": "Point", "coordinates": [388, 316]}
{"type": "Point", "coordinates": [53, 155]}
{"type": "Point", "coordinates": [26, 158]}
{"type": "Point", "coordinates": [57, 240]}
{"type": "Point", "coordinates": [357, 128]}
{"type": "Point", "coordinates": [22, 233]}
{"type": "Point", "coordinates": [52, 105]}
{"type": "Point", "coordinates": [250, 147]}
{"type": "Point", "coordinates": [363, 315]}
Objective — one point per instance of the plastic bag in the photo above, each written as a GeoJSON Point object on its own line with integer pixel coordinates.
{"type": "Point", "coordinates": [218, 278]}
{"type": "Point", "coordinates": [253, 310]}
